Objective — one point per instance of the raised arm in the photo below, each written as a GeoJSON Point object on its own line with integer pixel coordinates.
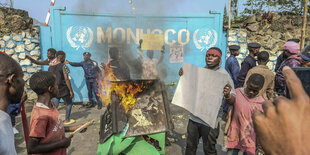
{"type": "Point", "coordinates": [161, 57]}
{"type": "Point", "coordinates": [229, 97]}
{"type": "Point", "coordinates": [74, 64]}
{"type": "Point", "coordinates": [37, 62]}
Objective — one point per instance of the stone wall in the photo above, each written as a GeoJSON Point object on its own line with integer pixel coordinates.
{"type": "Point", "coordinates": [240, 37]}
{"type": "Point", "coordinates": [271, 30]}
{"type": "Point", "coordinates": [19, 38]}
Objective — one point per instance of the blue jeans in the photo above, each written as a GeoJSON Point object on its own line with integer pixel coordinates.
{"type": "Point", "coordinates": [68, 102]}
{"type": "Point", "coordinates": [92, 87]}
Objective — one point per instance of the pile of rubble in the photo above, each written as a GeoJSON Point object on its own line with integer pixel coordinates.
{"type": "Point", "coordinates": [19, 37]}
{"type": "Point", "coordinates": [14, 21]}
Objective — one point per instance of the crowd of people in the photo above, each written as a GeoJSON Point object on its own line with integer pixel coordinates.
{"type": "Point", "coordinates": [250, 87]}
{"type": "Point", "coordinates": [257, 113]}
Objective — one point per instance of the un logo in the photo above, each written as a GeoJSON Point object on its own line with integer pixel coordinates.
{"type": "Point", "coordinates": [204, 38]}
{"type": "Point", "coordinates": [80, 36]}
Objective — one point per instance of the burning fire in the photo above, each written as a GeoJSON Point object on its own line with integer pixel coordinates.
{"type": "Point", "coordinates": [126, 91]}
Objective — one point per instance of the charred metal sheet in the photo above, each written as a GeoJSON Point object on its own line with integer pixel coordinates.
{"type": "Point", "coordinates": [113, 120]}
{"type": "Point", "coordinates": [149, 115]}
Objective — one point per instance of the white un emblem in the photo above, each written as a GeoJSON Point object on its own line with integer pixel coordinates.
{"type": "Point", "coordinates": [80, 36]}
{"type": "Point", "coordinates": [204, 38]}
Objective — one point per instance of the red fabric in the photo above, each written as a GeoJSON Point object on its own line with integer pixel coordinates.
{"type": "Point", "coordinates": [25, 123]}
{"type": "Point", "coordinates": [241, 134]}
{"type": "Point", "coordinates": [214, 52]}
{"type": "Point", "coordinates": [4, 53]}
{"type": "Point", "coordinates": [46, 124]}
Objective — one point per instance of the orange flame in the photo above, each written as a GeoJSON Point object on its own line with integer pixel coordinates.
{"type": "Point", "coordinates": [126, 91]}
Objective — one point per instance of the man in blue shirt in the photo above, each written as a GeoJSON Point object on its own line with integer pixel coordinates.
{"type": "Point", "coordinates": [232, 64]}
{"type": "Point", "coordinates": [248, 63]}
{"type": "Point", "coordinates": [91, 73]}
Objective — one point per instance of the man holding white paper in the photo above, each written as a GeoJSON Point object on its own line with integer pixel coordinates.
{"type": "Point", "coordinates": [200, 91]}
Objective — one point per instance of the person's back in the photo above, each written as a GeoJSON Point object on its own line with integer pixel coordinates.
{"type": "Point", "coordinates": [262, 69]}
{"type": "Point", "coordinates": [248, 63]}
{"type": "Point", "coordinates": [291, 50]}
{"type": "Point", "coordinates": [60, 80]}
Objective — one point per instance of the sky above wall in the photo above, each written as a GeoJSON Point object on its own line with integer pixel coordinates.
{"type": "Point", "coordinates": [38, 8]}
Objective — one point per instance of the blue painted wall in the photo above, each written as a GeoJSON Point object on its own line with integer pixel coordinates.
{"type": "Point", "coordinates": [76, 32]}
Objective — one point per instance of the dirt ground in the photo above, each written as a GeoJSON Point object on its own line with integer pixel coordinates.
{"type": "Point", "coordinates": [87, 143]}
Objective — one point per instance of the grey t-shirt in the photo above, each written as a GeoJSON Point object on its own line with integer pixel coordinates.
{"type": "Point", "coordinates": [7, 146]}
{"type": "Point", "coordinates": [197, 119]}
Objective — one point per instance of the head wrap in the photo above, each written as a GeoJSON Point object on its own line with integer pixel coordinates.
{"type": "Point", "coordinates": [4, 53]}
{"type": "Point", "coordinates": [213, 51]}
{"type": "Point", "coordinates": [292, 47]}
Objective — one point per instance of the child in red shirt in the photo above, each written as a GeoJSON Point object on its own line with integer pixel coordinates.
{"type": "Point", "coordinates": [241, 135]}
{"type": "Point", "coordinates": [47, 134]}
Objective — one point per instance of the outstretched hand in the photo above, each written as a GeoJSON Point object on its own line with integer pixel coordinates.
{"type": "Point", "coordinates": [283, 127]}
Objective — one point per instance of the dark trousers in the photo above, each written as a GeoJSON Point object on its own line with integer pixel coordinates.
{"type": "Point", "coordinates": [68, 102]}
{"type": "Point", "coordinates": [92, 87]}
{"type": "Point", "coordinates": [236, 151]}
{"type": "Point", "coordinates": [208, 135]}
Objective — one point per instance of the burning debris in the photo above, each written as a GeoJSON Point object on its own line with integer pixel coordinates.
{"type": "Point", "coordinates": [136, 109]}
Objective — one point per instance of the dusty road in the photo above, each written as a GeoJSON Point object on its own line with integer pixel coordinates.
{"type": "Point", "coordinates": [86, 143]}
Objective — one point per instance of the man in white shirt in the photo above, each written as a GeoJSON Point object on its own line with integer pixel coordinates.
{"type": "Point", "coordinates": [149, 64]}
{"type": "Point", "coordinates": [11, 91]}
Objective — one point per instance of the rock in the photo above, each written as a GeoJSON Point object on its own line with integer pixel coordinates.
{"type": "Point", "coordinates": [17, 37]}
{"type": "Point", "coordinates": [289, 27]}
{"type": "Point", "coordinates": [2, 43]}
{"type": "Point", "coordinates": [30, 46]}
{"type": "Point", "coordinates": [35, 41]}
{"type": "Point", "coordinates": [232, 38]}
{"type": "Point", "coordinates": [270, 44]}
{"type": "Point", "coordinates": [10, 44]}
{"type": "Point", "coordinates": [276, 16]}
{"type": "Point", "coordinates": [22, 56]}
{"type": "Point", "coordinates": [232, 43]}
{"type": "Point", "coordinates": [23, 34]}
{"type": "Point", "coordinates": [27, 41]}
{"type": "Point", "coordinates": [9, 51]}
{"type": "Point", "coordinates": [251, 19]}
{"type": "Point", "coordinates": [37, 48]}
{"type": "Point", "coordinates": [243, 48]}
{"type": "Point", "coordinates": [232, 32]}
{"type": "Point", "coordinates": [25, 62]}
{"type": "Point", "coordinates": [276, 35]}
{"type": "Point", "coordinates": [253, 27]}
{"type": "Point", "coordinates": [6, 38]}
{"type": "Point", "coordinates": [268, 32]}
{"type": "Point", "coordinates": [15, 58]}
{"type": "Point", "coordinates": [288, 36]}
{"type": "Point", "coordinates": [32, 69]}
{"type": "Point", "coordinates": [28, 35]}
{"type": "Point", "coordinates": [20, 48]}
{"type": "Point", "coordinates": [32, 95]}
{"type": "Point", "coordinates": [242, 33]}
{"type": "Point", "coordinates": [24, 69]}
{"type": "Point", "coordinates": [242, 40]}
{"type": "Point", "coordinates": [35, 53]}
